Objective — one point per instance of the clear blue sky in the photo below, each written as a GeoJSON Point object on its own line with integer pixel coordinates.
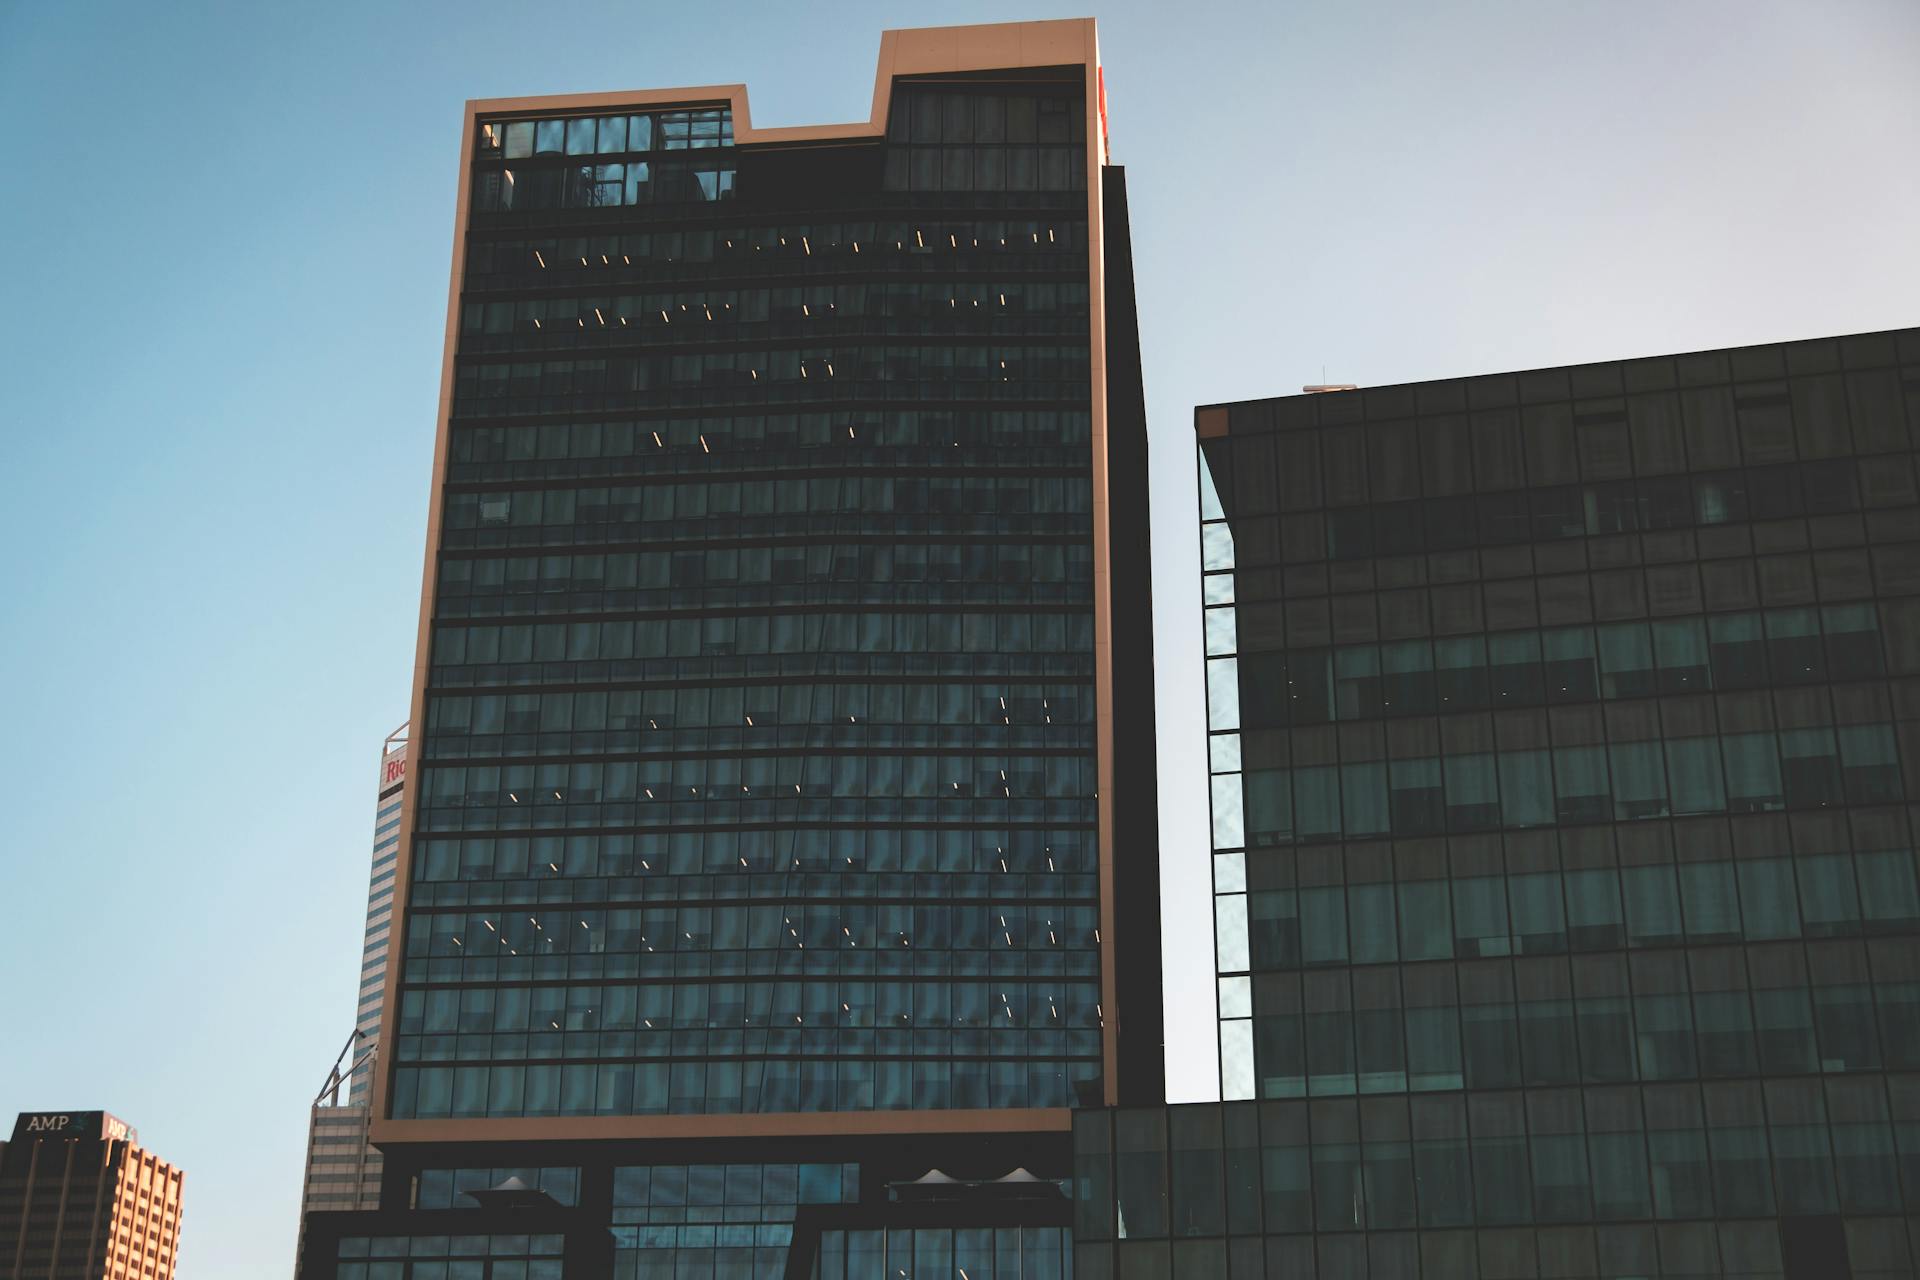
{"type": "Point", "coordinates": [227, 232]}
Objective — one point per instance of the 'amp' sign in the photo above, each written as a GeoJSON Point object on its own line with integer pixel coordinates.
{"type": "Point", "coordinates": [94, 1126]}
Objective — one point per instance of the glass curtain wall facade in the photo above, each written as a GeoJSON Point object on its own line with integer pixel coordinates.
{"type": "Point", "coordinates": [1562, 729]}
{"type": "Point", "coordinates": [758, 768]}
{"type": "Point", "coordinates": [762, 732]}
{"type": "Point", "coordinates": [786, 1210]}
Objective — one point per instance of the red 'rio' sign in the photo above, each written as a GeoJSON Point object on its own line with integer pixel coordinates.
{"type": "Point", "coordinates": [1102, 82]}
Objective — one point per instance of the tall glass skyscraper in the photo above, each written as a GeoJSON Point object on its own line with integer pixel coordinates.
{"type": "Point", "coordinates": [1563, 734]}
{"type": "Point", "coordinates": [783, 821]}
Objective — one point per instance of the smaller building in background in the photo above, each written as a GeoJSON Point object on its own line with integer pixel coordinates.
{"type": "Point", "coordinates": [80, 1199]}
{"type": "Point", "coordinates": [343, 1167]}
{"type": "Point", "coordinates": [373, 956]}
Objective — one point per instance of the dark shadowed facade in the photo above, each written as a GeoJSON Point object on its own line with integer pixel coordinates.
{"type": "Point", "coordinates": [1563, 740]}
{"type": "Point", "coordinates": [782, 817]}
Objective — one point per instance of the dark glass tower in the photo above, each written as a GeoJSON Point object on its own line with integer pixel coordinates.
{"type": "Point", "coordinates": [778, 832]}
{"type": "Point", "coordinates": [1563, 731]}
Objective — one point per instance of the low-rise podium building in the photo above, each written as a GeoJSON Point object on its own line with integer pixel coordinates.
{"type": "Point", "coordinates": [1564, 731]}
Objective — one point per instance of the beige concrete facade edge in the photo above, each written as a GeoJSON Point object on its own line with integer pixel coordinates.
{"type": "Point", "coordinates": [423, 639]}
{"type": "Point", "coordinates": [788, 1124]}
{"type": "Point", "coordinates": [1103, 690]}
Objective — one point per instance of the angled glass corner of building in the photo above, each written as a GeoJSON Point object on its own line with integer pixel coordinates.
{"type": "Point", "coordinates": [1561, 736]}
{"type": "Point", "coordinates": [757, 771]}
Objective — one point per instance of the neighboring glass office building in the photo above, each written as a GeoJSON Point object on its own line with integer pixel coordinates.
{"type": "Point", "coordinates": [1562, 737]}
{"type": "Point", "coordinates": [784, 822]}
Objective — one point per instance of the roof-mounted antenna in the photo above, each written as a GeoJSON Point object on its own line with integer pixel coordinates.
{"type": "Point", "coordinates": [1324, 385]}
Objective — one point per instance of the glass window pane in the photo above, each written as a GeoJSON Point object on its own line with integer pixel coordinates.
{"type": "Point", "coordinates": [1221, 631]}
{"type": "Point", "coordinates": [1230, 925]}
{"type": "Point", "coordinates": [1810, 768]}
{"type": "Point", "coordinates": [1316, 801]}
{"type": "Point", "coordinates": [1323, 926]}
{"type": "Point", "coordinates": [1653, 905]}
{"type": "Point", "coordinates": [1407, 678]}
{"type": "Point", "coordinates": [1269, 807]}
{"type": "Point", "coordinates": [1639, 780]}
{"type": "Point", "coordinates": [1693, 771]}
{"type": "Point", "coordinates": [1869, 764]}
{"type": "Point", "coordinates": [1480, 916]}
{"type": "Point", "coordinates": [1140, 1153]}
{"type": "Point", "coordinates": [1460, 673]}
{"type": "Point", "coordinates": [1680, 648]}
{"type": "Point", "coordinates": [1620, 1189]}
{"type": "Point", "coordinates": [1720, 499]}
{"type": "Point", "coordinates": [1426, 921]}
{"type": "Point", "coordinates": [1370, 913]}
{"type": "Point", "coordinates": [1737, 651]}
{"type": "Point", "coordinates": [1501, 1185]}
{"type": "Point", "coordinates": [1539, 917]}
{"type": "Point", "coordinates": [1236, 1060]}
{"type": "Point", "coordinates": [1228, 832]}
{"type": "Point", "coordinates": [1418, 800]}
{"type": "Point", "coordinates": [1572, 670]}
{"type": "Point", "coordinates": [1753, 773]}
{"type": "Point", "coordinates": [1829, 902]}
{"type": "Point", "coordinates": [1356, 683]}
{"type": "Point", "coordinates": [1526, 788]}
{"type": "Point", "coordinates": [1197, 1182]}
{"type": "Point", "coordinates": [1711, 901]}
{"type": "Point", "coordinates": [1514, 671]}
{"type": "Point", "coordinates": [1888, 891]}
{"type": "Point", "coordinates": [1767, 899]}
{"type": "Point", "coordinates": [1216, 546]}
{"type": "Point", "coordinates": [1363, 799]}
{"type": "Point", "coordinates": [1473, 795]}
{"type": "Point", "coordinates": [1594, 919]}
{"type": "Point", "coordinates": [1853, 639]}
{"type": "Point", "coordinates": [1626, 660]}
{"type": "Point", "coordinates": [1580, 787]}
{"type": "Point", "coordinates": [1210, 508]}
{"type": "Point", "coordinates": [1223, 693]}
{"type": "Point", "coordinates": [1793, 645]}
{"type": "Point", "coordinates": [1443, 1169]}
